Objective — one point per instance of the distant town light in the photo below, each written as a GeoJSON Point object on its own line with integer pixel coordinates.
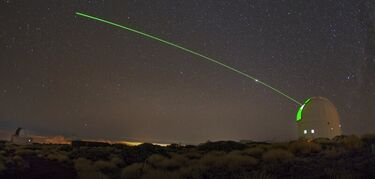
{"type": "Point", "coordinates": [312, 131]}
{"type": "Point", "coordinates": [305, 131]}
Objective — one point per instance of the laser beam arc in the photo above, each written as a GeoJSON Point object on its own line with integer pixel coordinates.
{"type": "Point", "coordinates": [189, 51]}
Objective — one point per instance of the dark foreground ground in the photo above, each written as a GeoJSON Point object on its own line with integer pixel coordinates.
{"type": "Point", "coordinates": [341, 157]}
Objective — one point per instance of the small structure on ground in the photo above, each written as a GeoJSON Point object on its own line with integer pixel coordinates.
{"type": "Point", "coordinates": [19, 139]}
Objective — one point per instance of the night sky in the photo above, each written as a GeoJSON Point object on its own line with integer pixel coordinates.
{"type": "Point", "coordinates": [61, 74]}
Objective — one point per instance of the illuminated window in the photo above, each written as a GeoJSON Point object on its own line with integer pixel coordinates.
{"type": "Point", "coordinates": [305, 131]}
{"type": "Point", "coordinates": [331, 128]}
{"type": "Point", "coordinates": [339, 125]}
{"type": "Point", "coordinates": [312, 131]}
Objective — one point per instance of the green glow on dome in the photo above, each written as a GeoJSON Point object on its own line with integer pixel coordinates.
{"type": "Point", "coordinates": [299, 113]}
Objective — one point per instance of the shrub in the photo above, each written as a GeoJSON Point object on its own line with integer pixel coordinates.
{"type": "Point", "coordinates": [351, 142]}
{"type": "Point", "coordinates": [160, 174]}
{"type": "Point", "coordinates": [368, 138]}
{"type": "Point", "coordinates": [19, 162]}
{"type": "Point", "coordinates": [238, 162]}
{"type": "Point", "coordinates": [58, 157]}
{"type": "Point", "coordinates": [304, 147]}
{"type": "Point", "coordinates": [229, 161]}
{"type": "Point", "coordinates": [133, 171]}
{"type": "Point", "coordinates": [155, 160]}
{"type": "Point", "coordinates": [322, 140]}
{"type": "Point", "coordinates": [261, 175]}
{"type": "Point", "coordinates": [92, 153]}
{"type": "Point", "coordinates": [91, 174]}
{"type": "Point", "coordinates": [158, 161]}
{"type": "Point", "coordinates": [82, 164]}
{"type": "Point", "coordinates": [222, 146]}
{"type": "Point", "coordinates": [193, 155]}
{"type": "Point", "coordinates": [117, 160]}
{"type": "Point", "coordinates": [277, 155]}
{"type": "Point", "coordinates": [337, 173]}
{"type": "Point", "coordinates": [24, 152]}
{"type": "Point", "coordinates": [104, 166]}
{"type": "Point", "coordinates": [254, 151]}
{"type": "Point", "coordinates": [333, 153]}
{"type": "Point", "coordinates": [86, 170]}
{"type": "Point", "coordinates": [212, 158]}
{"type": "Point", "coordinates": [2, 166]}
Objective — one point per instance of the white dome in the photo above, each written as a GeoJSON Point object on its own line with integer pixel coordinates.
{"type": "Point", "coordinates": [318, 117]}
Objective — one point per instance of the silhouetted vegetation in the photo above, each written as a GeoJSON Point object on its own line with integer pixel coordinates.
{"type": "Point", "coordinates": [341, 157]}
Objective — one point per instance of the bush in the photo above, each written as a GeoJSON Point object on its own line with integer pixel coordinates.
{"type": "Point", "coordinates": [117, 160]}
{"type": "Point", "coordinates": [338, 173]}
{"type": "Point", "coordinates": [92, 153]}
{"type": "Point", "coordinates": [86, 170]}
{"type": "Point", "coordinates": [83, 164]}
{"type": "Point", "coordinates": [91, 174]}
{"type": "Point", "coordinates": [333, 153]}
{"type": "Point", "coordinates": [133, 171]}
{"type": "Point", "coordinates": [105, 166]}
{"type": "Point", "coordinates": [222, 146]}
{"type": "Point", "coordinates": [58, 157]}
{"type": "Point", "coordinates": [193, 155]}
{"type": "Point", "coordinates": [24, 152]}
{"type": "Point", "coordinates": [261, 175]}
{"type": "Point", "coordinates": [2, 166]}
{"type": "Point", "coordinates": [351, 142]}
{"type": "Point", "coordinates": [304, 147]}
{"type": "Point", "coordinates": [158, 161]}
{"type": "Point", "coordinates": [278, 155]}
{"type": "Point", "coordinates": [229, 161]}
{"type": "Point", "coordinates": [254, 151]}
{"type": "Point", "coordinates": [238, 162]}
{"type": "Point", "coordinates": [368, 138]}
{"type": "Point", "coordinates": [155, 159]}
{"type": "Point", "coordinates": [160, 174]}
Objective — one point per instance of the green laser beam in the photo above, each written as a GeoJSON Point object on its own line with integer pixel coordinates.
{"type": "Point", "coordinates": [187, 50]}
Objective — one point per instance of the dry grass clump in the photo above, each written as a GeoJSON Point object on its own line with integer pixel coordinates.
{"type": "Point", "coordinates": [352, 142]}
{"type": "Point", "coordinates": [86, 170]}
{"type": "Point", "coordinates": [193, 155]}
{"type": "Point", "coordinates": [260, 175]}
{"type": "Point", "coordinates": [155, 160]}
{"type": "Point", "coordinates": [368, 137]}
{"type": "Point", "coordinates": [231, 161]}
{"type": "Point", "coordinates": [2, 166]}
{"type": "Point", "coordinates": [322, 141]}
{"type": "Point", "coordinates": [133, 171]}
{"type": "Point", "coordinates": [58, 157]}
{"type": "Point", "coordinates": [237, 162]}
{"type": "Point", "coordinates": [304, 147]}
{"type": "Point", "coordinates": [24, 152]}
{"type": "Point", "coordinates": [82, 164]}
{"type": "Point", "coordinates": [277, 155]}
{"type": "Point", "coordinates": [104, 166]}
{"type": "Point", "coordinates": [333, 153]}
{"type": "Point", "coordinates": [175, 162]}
{"type": "Point", "coordinates": [254, 151]}
{"type": "Point", "coordinates": [161, 174]}
{"type": "Point", "coordinates": [117, 160]}
{"type": "Point", "coordinates": [337, 173]}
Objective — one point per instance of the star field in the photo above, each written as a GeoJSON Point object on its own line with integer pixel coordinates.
{"type": "Point", "coordinates": [61, 74]}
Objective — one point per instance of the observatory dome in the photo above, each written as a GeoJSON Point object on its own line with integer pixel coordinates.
{"type": "Point", "coordinates": [318, 117]}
